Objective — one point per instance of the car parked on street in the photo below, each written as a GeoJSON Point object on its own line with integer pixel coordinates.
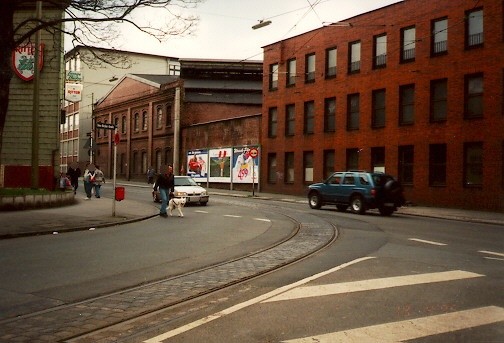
{"type": "Point", "coordinates": [186, 187]}
{"type": "Point", "coordinates": [359, 190]}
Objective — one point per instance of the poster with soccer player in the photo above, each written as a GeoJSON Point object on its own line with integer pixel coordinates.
{"type": "Point", "coordinates": [197, 164]}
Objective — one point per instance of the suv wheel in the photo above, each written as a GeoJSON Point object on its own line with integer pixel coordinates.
{"type": "Point", "coordinates": [357, 204]}
{"type": "Point", "coordinates": [314, 200]}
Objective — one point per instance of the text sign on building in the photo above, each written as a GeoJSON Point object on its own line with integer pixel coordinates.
{"type": "Point", "coordinates": [105, 126]}
{"type": "Point", "coordinates": [73, 92]}
{"type": "Point", "coordinates": [73, 76]}
{"type": "Point", "coordinates": [23, 60]}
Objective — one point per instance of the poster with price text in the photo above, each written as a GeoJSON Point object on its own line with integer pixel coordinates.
{"type": "Point", "coordinates": [243, 164]}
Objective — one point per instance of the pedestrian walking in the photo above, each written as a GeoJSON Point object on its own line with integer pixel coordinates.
{"type": "Point", "coordinates": [89, 180]}
{"type": "Point", "coordinates": [73, 173]}
{"type": "Point", "coordinates": [99, 179]}
{"type": "Point", "coordinates": [150, 175]}
{"type": "Point", "coordinates": [166, 184]}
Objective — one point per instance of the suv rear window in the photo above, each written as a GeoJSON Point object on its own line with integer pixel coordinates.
{"type": "Point", "coordinates": [381, 180]}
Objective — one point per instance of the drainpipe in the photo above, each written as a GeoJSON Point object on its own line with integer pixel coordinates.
{"type": "Point", "coordinates": [176, 132]}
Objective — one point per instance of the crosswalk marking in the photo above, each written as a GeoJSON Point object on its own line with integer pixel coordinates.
{"type": "Point", "coordinates": [262, 219]}
{"type": "Point", "coordinates": [232, 216]}
{"type": "Point", "coordinates": [412, 328]}
{"type": "Point", "coordinates": [426, 242]}
{"type": "Point", "coordinates": [232, 309]}
{"type": "Point", "coordinates": [200, 211]}
{"type": "Point", "coordinates": [372, 284]}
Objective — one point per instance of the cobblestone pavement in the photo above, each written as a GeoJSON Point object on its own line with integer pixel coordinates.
{"type": "Point", "coordinates": [69, 321]}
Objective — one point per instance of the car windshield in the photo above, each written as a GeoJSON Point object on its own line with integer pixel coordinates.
{"type": "Point", "coordinates": [185, 181]}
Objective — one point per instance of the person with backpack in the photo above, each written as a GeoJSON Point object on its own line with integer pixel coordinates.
{"type": "Point", "coordinates": [89, 180]}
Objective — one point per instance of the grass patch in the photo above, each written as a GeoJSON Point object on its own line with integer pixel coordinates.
{"type": "Point", "coordinates": [24, 191]}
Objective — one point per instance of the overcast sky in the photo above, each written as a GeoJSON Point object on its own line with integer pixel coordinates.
{"type": "Point", "coordinates": [225, 27]}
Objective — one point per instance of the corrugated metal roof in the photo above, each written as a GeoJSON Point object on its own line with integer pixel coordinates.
{"type": "Point", "coordinates": [223, 84]}
{"type": "Point", "coordinates": [227, 98]}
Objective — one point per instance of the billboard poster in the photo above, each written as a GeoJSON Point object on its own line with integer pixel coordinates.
{"type": "Point", "coordinates": [197, 164]}
{"type": "Point", "coordinates": [243, 164]}
{"type": "Point", "coordinates": [220, 165]}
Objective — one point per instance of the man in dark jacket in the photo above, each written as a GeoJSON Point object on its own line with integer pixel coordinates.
{"type": "Point", "coordinates": [166, 185]}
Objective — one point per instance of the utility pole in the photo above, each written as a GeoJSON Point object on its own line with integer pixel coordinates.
{"type": "Point", "coordinates": [36, 105]}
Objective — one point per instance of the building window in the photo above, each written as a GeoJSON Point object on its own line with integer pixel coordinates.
{"type": "Point", "coordinates": [308, 166]}
{"type": "Point", "coordinates": [439, 37]}
{"type": "Point", "coordinates": [407, 105]}
{"type": "Point", "coordinates": [134, 162]}
{"type": "Point", "coordinates": [405, 167]}
{"type": "Point", "coordinates": [330, 115]}
{"type": "Point", "coordinates": [473, 102]}
{"type": "Point", "coordinates": [331, 62]}
{"type": "Point", "coordinates": [116, 122]}
{"type": "Point", "coordinates": [354, 57]}
{"type": "Point", "coordinates": [272, 168]}
{"type": "Point", "coordinates": [378, 159]}
{"type": "Point", "coordinates": [309, 117]}
{"type": "Point", "coordinates": [474, 28]}
{"type": "Point", "coordinates": [273, 76]}
{"type": "Point", "coordinates": [473, 164]}
{"type": "Point", "coordinates": [168, 115]}
{"type": "Point", "coordinates": [352, 159]}
{"type": "Point", "coordinates": [105, 131]}
{"type": "Point", "coordinates": [380, 51]}
{"type": "Point", "coordinates": [290, 120]}
{"type": "Point", "coordinates": [144, 121]}
{"type": "Point", "coordinates": [378, 115]}
{"type": "Point", "coordinates": [408, 42]}
{"type": "Point", "coordinates": [291, 72]}
{"type": "Point", "coordinates": [159, 117]}
{"type": "Point", "coordinates": [329, 163]}
{"type": "Point", "coordinates": [310, 68]}
{"type": "Point", "coordinates": [272, 122]}
{"type": "Point", "coordinates": [144, 162]}
{"type": "Point", "coordinates": [136, 122]}
{"type": "Point", "coordinates": [353, 111]}
{"type": "Point", "coordinates": [123, 124]}
{"type": "Point", "coordinates": [438, 100]}
{"type": "Point", "coordinates": [289, 167]}
{"type": "Point", "coordinates": [437, 164]}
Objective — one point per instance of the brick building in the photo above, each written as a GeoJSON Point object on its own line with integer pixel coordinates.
{"type": "Point", "coordinates": [160, 118]}
{"type": "Point", "coordinates": [413, 89]}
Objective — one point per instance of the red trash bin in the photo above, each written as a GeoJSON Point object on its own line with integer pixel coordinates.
{"type": "Point", "coordinates": [119, 193]}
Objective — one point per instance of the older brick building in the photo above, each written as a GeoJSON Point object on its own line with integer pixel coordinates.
{"type": "Point", "coordinates": [413, 89]}
{"type": "Point", "coordinates": [160, 118]}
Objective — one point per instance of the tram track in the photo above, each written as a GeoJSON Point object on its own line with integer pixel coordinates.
{"type": "Point", "coordinates": [89, 320]}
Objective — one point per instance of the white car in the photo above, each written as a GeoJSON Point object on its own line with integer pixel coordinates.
{"type": "Point", "coordinates": [186, 187]}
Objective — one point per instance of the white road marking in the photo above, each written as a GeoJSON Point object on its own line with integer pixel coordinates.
{"type": "Point", "coordinates": [426, 242]}
{"type": "Point", "coordinates": [372, 284]}
{"type": "Point", "coordinates": [491, 253]}
{"type": "Point", "coordinates": [200, 211]}
{"type": "Point", "coordinates": [202, 321]}
{"type": "Point", "coordinates": [413, 328]}
{"type": "Point", "coordinates": [232, 216]}
{"type": "Point", "coordinates": [263, 220]}
{"type": "Point", "coordinates": [494, 258]}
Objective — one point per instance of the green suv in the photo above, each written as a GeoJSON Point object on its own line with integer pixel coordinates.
{"type": "Point", "coordinates": [358, 189]}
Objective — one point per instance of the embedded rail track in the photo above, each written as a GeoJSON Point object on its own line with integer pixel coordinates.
{"type": "Point", "coordinates": [79, 321]}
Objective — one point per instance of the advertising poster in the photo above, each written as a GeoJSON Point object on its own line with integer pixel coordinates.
{"type": "Point", "coordinates": [220, 165]}
{"type": "Point", "coordinates": [243, 164]}
{"type": "Point", "coordinates": [197, 164]}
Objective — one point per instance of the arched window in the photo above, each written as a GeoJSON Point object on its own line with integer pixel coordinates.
{"type": "Point", "coordinates": [123, 125]}
{"type": "Point", "coordinates": [135, 123]}
{"type": "Point", "coordinates": [159, 117]}
{"type": "Point", "coordinates": [144, 121]}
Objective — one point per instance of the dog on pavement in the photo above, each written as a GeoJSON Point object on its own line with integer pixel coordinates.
{"type": "Point", "coordinates": [177, 203]}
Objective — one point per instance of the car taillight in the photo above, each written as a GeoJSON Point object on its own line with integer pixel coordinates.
{"type": "Point", "coordinates": [373, 192]}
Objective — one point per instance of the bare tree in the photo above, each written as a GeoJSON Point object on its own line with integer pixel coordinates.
{"type": "Point", "coordinates": [88, 23]}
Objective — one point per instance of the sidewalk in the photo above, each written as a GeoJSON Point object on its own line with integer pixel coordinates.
{"type": "Point", "coordinates": [96, 213]}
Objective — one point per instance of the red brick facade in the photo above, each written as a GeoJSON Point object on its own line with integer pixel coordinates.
{"type": "Point", "coordinates": [415, 111]}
